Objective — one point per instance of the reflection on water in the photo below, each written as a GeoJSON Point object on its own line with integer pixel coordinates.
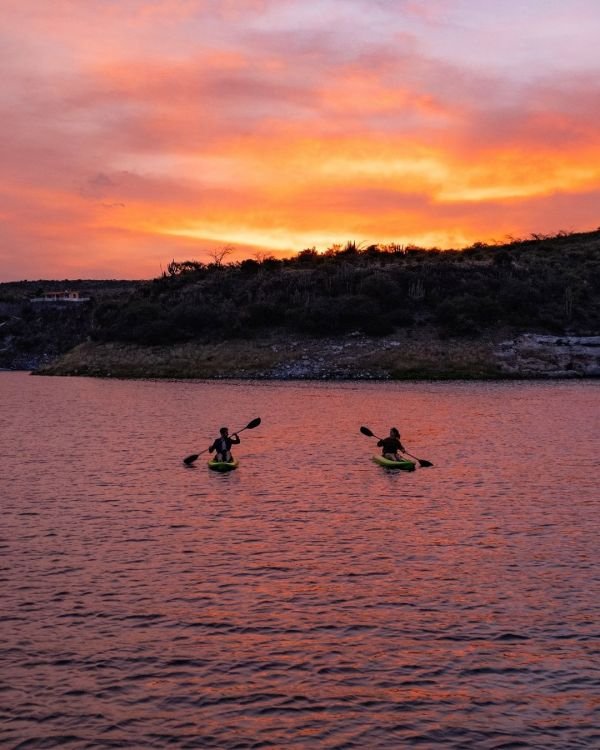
{"type": "Point", "coordinates": [309, 599]}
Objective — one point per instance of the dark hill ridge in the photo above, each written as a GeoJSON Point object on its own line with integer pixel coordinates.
{"type": "Point", "coordinates": [549, 285]}
{"type": "Point", "coordinates": [378, 311]}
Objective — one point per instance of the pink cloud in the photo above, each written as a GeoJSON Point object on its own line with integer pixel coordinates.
{"type": "Point", "coordinates": [128, 125]}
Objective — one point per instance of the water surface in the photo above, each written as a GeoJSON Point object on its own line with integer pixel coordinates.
{"type": "Point", "coordinates": [310, 599]}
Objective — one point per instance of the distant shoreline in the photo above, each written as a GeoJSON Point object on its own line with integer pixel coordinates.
{"type": "Point", "coordinates": [526, 309]}
{"type": "Point", "coordinates": [420, 356]}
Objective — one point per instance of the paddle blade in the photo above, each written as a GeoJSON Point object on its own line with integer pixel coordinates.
{"type": "Point", "coordinates": [424, 463]}
{"type": "Point", "coordinates": [366, 431]}
{"type": "Point", "coordinates": [253, 424]}
{"type": "Point", "coordinates": [189, 460]}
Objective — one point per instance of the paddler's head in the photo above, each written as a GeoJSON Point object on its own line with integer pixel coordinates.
{"type": "Point", "coordinates": [224, 431]}
{"type": "Point", "coordinates": [394, 433]}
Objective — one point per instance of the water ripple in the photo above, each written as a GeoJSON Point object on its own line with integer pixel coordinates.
{"type": "Point", "coordinates": [298, 602]}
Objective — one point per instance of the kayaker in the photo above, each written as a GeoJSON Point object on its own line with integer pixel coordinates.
{"type": "Point", "coordinates": [391, 446]}
{"type": "Point", "coordinates": [222, 445]}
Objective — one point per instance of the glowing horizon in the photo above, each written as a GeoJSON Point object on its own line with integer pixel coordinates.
{"type": "Point", "coordinates": [137, 132]}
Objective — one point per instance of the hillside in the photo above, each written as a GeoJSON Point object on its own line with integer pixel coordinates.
{"type": "Point", "coordinates": [546, 285]}
{"type": "Point", "coordinates": [390, 311]}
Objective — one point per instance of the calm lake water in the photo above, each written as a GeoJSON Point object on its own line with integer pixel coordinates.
{"type": "Point", "coordinates": [310, 599]}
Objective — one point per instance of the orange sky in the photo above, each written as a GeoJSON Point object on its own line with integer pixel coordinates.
{"type": "Point", "coordinates": [137, 132]}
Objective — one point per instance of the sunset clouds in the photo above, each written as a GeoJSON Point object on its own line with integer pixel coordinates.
{"type": "Point", "coordinates": [136, 132]}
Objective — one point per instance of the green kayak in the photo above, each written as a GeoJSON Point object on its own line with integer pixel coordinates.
{"type": "Point", "coordinates": [405, 464]}
{"type": "Point", "coordinates": [223, 465]}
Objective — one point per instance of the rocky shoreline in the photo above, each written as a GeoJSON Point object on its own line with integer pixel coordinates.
{"type": "Point", "coordinates": [408, 355]}
{"type": "Point", "coordinates": [550, 356]}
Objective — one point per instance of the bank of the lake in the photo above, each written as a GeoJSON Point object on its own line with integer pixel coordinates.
{"type": "Point", "coordinates": [412, 355]}
{"type": "Point", "coordinates": [525, 309]}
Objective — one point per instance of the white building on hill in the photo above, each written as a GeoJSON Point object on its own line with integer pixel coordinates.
{"type": "Point", "coordinates": [61, 297]}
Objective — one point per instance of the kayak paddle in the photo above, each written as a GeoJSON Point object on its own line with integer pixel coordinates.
{"type": "Point", "coordinates": [189, 460]}
{"type": "Point", "coordinates": [422, 462]}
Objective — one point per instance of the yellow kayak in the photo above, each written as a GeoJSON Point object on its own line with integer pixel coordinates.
{"type": "Point", "coordinates": [404, 464]}
{"type": "Point", "coordinates": [223, 465]}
